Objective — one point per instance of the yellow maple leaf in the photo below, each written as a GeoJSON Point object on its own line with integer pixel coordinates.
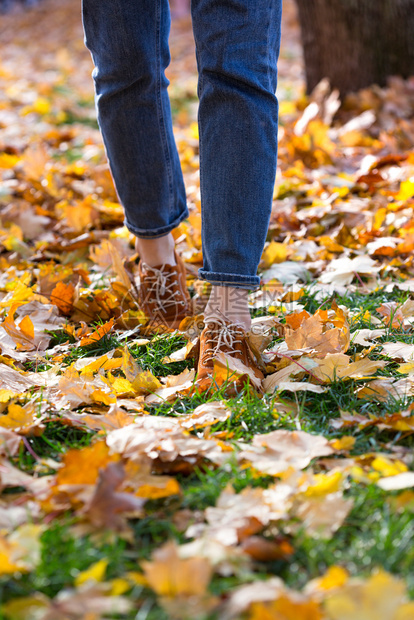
{"type": "Point", "coordinates": [323, 484]}
{"type": "Point", "coordinates": [381, 597]}
{"type": "Point", "coordinates": [7, 564]}
{"type": "Point", "coordinates": [387, 467]}
{"type": "Point", "coordinates": [275, 253]}
{"type": "Point", "coordinates": [344, 443]}
{"type": "Point", "coordinates": [6, 395]}
{"type": "Point", "coordinates": [8, 161]}
{"type": "Point", "coordinates": [334, 577]}
{"type": "Point", "coordinates": [157, 491]}
{"type": "Point", "coordinates": [99, 396]}
{"type": "Point", "coordinates": [145, 382]}
{"type": "Point", "coordinates": [119, 586]}
{"type": "Point", "coordinates": [96, 572]}
{"type": "Point", "coordinates": [22, 419]}
{"type": "Point", "coordinates": [406, 190]}
{"type": "Point", "coordinates": [103, 362]}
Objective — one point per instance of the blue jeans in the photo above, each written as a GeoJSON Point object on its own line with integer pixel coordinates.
{"type": "Point", "coordinates": [237, 44]}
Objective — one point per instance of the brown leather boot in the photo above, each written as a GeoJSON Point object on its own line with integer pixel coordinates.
{"type": "Point", "coordinates": [163, 294]}
{"type": "Point", "coordinates": [222, 336]}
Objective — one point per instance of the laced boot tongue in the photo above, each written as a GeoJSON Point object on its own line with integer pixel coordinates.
{"type": "Point", "coordinates": [222, 336]}
{"type": "Point", "coordinates": [157, 276]}
{"type": "Point", "coordinates": [162, 287]}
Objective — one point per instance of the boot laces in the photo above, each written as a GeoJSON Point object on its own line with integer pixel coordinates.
{"type": "Point", "coordinates": [160, 288]}
{"type": "Point", "coordinates": [228, 335]}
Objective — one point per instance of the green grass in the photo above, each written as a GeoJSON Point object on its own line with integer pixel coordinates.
{"type": "Point", "coordinates": [63, 556]}
{"type": "Point", "coordinates": [150, 356]}
{"type": "Point", "coordinates": [373, 536]}
{"type": "Point", "coordinates": [54, 442]}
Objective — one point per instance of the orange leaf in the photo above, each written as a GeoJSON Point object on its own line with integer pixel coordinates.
{"type": "Point", "coordinates": [62, 296]}
{"type": "Point", "coordinates": [98, 334]}
{"type": "Point", "coordinates": [296, 319]}
{"type": "Point", "coordinates": [82, 466]}
{"type": "Point", "coordinates": [22, 334]}
{"type": "Point", "coordinates": [286, 609]}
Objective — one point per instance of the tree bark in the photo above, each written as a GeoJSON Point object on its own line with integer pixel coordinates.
{"type": "Point", "coordinates": [356, 43]}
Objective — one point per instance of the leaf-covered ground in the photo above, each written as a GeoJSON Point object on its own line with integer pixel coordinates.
{"type": "Point", "coordinates": [125, 494]}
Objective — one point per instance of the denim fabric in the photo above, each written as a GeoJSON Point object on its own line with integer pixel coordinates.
{"type": "Point", "coordinates": [237, 43]}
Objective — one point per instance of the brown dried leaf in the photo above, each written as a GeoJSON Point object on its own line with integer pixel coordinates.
{"type": "Point", "coordinates": [9, 442]}
{"type": "Point", "coordinates": [105, 507]}
{"type": "Point", "coordinates": [206, 415]}
{"type": "Point", "coordinates": [263, 550]}
{"type": "Point", "coordinates": [166, 444]}
{"type": "Point", "coordinates": [318, 334]}
{"type": "Point", "coordinates": [237, 514]}
{"type": "Point", "coordinates": [275, 452]}
{"type": "Point", "coordinates": [229, 368]}
{"type": "Point", "coordinates": [322, 516]}
{"type": "Point", "coordinates": [174, 384]}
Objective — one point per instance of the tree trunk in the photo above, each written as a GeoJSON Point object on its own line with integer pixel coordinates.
{"type": "Point", "coordinates": [356, 43]}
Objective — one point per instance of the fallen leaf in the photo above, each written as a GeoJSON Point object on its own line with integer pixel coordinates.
{"type": "Point", "coordinates": [106, 506]}
{"type": "Point", "coordinates": [275, 452]}
{"type": "Point", "coordinates": [9, 442]}
{"type": "Point", "coordinates": [337, 366]}
{"type": "Point", "coordinates": [365, 337]}
{"type": "Point", "coordinates": [97, 335]}
{"type": "Point", "coordinates": [248, 511]}
{"type": "Point", "coordinates": [165, 444]}
{"type": "Point", "coordinates": [23, 420]}
{"type": "Point", "coordinates": [397, 482]}
{"type": "Point", "coordinates": [399, 350]}
{"type": "Point", "coordinates": [205, 415]}
{"type": "Point", "coordinates": [275, 253]}
{"type": "Point", "coordinates": [263, 550]}
{"type": "Point", "coordinates": [96, 572]}
{"type": "Point", "coordinates": [62, 296]}
{"type": "Point", "coordinates": [335, 577]}
{"type": "Point", "coordinates": [20, 551]}
{"type": "Point", "coordinates": [342, 271]}
{"type": "Point", "coordinates": [174, 384]}
{"type": "Point", "coordinates": [284, 608]}
{"type": "Point", "coordinates": [380, 597]}
{"type": "Point", "coordinates": [315, 333]}
{"type": "Point", "coordinates": [323, 516]}
{"type": "Point", "coordinates": [170, 576]}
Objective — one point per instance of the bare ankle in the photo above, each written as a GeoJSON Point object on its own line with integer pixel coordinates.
{"type": "Point", "coordinates": [229, 303]}
{"type": "Point", "coordinates": [156, 252]}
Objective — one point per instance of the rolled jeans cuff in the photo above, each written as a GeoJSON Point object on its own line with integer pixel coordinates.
{"type": "Point", "coordinates": [154, 233]}
{"type": "Point", "coordinates": [230, 279]}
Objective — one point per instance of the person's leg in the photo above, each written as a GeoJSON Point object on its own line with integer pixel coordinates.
{"type": "Point", "coordinates": [180, 8]}
{"type": "Point", "coordinates": [128, 40]}
{"type": "Point", "coordinates": [237, 43]}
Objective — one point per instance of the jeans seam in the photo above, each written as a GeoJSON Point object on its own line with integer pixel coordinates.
{"type": "Point", "coordinates": [156, 232]}
{"type": "Point", "coordinates": [252, 285]}
{"type": "Point", "coordinates": [230, 275]}
{"type": "Point", "coordinates": [268, 43]}
{"type": "Point", "coordinates": [161, 121]}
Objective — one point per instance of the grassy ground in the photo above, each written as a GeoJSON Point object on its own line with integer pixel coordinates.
{"type": "Point", "coordinates": [373, 535]}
